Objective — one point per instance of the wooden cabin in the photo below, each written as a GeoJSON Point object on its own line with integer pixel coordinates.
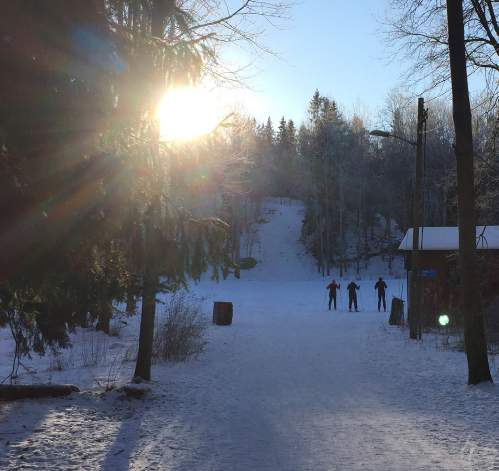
{"type": "Point", "coordinates": [438, 261]}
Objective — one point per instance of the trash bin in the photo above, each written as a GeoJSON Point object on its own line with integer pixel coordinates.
{"type": "Point", "coordinates": [222, 313]}
{"type": "Point", "coordinates": [397, 312]}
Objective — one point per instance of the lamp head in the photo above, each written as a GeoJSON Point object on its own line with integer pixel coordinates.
{"type": "Point", "coordinates": [379, 133]}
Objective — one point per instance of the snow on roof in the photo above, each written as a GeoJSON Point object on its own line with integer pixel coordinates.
{"type": "Point", "coordinates": [447, 238]}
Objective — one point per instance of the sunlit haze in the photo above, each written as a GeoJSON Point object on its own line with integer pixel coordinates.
{"type": "Point", "coordinates": [187, 113]}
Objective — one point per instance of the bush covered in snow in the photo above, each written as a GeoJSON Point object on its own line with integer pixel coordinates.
{"type": "Point", "coordinates": [180, 331]}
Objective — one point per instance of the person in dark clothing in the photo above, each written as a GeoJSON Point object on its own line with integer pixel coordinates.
{"type": "Point", "coordinates": [380, 286]}
{"type": "Point", "coordinates": [332, 287]}
{"type": "Point", "coordinates": [352, 295]}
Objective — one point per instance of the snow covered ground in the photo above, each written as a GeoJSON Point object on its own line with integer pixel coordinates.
{"type": "Point", "coordinates": [290, 386]}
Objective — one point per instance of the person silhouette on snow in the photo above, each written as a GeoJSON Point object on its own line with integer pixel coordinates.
{"type": "Point", "coordinates": [332, 287]}
{"type": "Point", "coordinates": [352, 295]}
{"type": "Point", "coordinates": [380, 286]}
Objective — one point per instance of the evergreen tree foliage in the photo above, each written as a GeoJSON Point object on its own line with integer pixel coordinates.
{"type": "Point", "coordinates": [81, 167]}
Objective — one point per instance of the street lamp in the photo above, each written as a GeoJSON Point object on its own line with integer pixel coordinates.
{"type": "Point", "coordinates": [380, 133]}
{"type": "Point", "coordinates": [414, 275]}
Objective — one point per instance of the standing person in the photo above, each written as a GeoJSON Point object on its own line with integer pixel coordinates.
{"type": "Point", "coordinates": [352, 295]}
{"type": "Point", "coordinates": [381, 287]}
{"type": "Point", "coordinates": [332, 287]}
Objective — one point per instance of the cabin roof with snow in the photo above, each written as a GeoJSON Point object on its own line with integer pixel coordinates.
{"type": "Point", "coordinates": [447, 238]}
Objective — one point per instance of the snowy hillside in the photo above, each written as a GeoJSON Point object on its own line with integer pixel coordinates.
{"type": "Point", "coordinates": [280, 253]}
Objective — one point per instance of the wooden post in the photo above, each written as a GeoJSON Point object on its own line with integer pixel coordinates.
{"type": "Point", "coordinates": [414, 316]}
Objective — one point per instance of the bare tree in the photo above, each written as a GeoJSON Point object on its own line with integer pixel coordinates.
{"type": "Point", "coordinates": [418, 28]}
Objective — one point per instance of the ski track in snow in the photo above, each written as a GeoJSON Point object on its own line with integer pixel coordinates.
{"type": "Point", "coordinates": [289, 386]}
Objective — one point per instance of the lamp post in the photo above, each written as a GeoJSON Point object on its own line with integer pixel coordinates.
{"type": "Point", "coordinates": [414, 314]}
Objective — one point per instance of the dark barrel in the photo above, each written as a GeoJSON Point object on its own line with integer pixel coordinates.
{"type": "Point", "coordinates": [397, 312]}
{"type": "Point", "coordinates": [222, 313]}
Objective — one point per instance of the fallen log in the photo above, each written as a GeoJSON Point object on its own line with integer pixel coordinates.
{"type": "Point", "coordinates": [12, 392]}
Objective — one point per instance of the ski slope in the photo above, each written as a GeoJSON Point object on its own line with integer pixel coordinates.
{"type": "Point", "coordinates": [281, 255]}
{"type": "Point", "coordinates": [290, 386]}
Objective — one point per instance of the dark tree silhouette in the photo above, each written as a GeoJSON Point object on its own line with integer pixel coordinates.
{"type": "Point", "coordinates": [474, 335]}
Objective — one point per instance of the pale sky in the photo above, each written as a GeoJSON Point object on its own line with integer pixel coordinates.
{"type": "Point", "coordinates": [335, 46]}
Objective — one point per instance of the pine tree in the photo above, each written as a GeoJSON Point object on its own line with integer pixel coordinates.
{"type": "Point", "coordinates": [269, 133]}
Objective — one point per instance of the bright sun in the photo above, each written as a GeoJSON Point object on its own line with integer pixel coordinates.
{"type": "Point", "coordinates": [187, 113]}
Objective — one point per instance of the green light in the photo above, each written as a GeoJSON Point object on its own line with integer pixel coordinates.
{"type": "Point", "coordinates": [443, 320]}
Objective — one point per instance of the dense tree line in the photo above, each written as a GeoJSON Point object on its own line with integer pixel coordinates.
{"type": "Point", "coordinates": [358, 189]}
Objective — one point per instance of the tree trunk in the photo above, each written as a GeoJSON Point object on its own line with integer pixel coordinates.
{"type": "Point", "coordinates": [119, 13]}
{"type": "Point", "coordinates": [358, 235]}
{"type": "Point", "coordinates": [82, 315]}
{"type": "Point", "coordinates": [105, 315]}
{"type": "Point", "coordinates": [144, 355]}
{"type": "Point", "coordinates": [474, 334]}
{"type": "Point", "coordinates": [131, 304]}
{"type": "Point", "coordinates": [323, 245]}
{"type": "Point", "coordinates": [236, 229]}
{"type": "Point", "coordinates": [341, 228]}
{"type": "Point", "coordinates": [161, 9]}
{"type": "Point", "coordinates": [321, 242]}
{"type": "Point", "coordinates": [388, 237]}
{"type": "Point", "coordinates": [328, 216]}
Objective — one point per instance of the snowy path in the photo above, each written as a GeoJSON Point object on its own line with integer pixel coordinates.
{"type": "Point", "coordinates": [289, 386]}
